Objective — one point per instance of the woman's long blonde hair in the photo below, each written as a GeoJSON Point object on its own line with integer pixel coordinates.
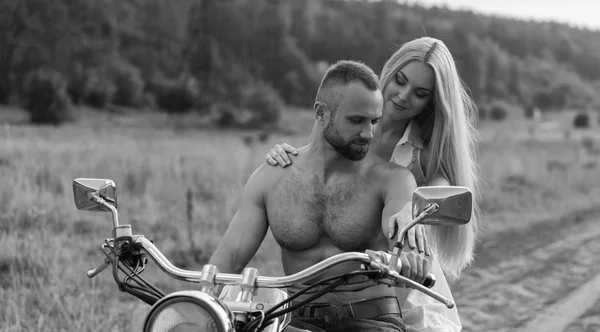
{"type": "Point", "coordinates": [448, 128]}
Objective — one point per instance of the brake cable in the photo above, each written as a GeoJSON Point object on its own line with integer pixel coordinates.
{"type": "Point", "coordinates": [339, 279]}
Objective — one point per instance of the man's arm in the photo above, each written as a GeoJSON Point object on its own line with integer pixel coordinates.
{"type": "Point", "coordinates": [399, 186]}
{"type": "Point", "coordinates": [397, 196]}
{"type": "Point", "coordinates": [247, 229]}
{"type": "Point", "coordinates": [438, 180]}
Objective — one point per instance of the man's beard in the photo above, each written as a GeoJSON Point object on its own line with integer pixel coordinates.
{"type": "Point", "coordinates": [346, 149]}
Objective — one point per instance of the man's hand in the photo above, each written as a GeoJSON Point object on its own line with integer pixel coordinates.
{"type": "Point", "coordinates": [415, 258]}
{"type": "Point", "coordinates": [414, 265]}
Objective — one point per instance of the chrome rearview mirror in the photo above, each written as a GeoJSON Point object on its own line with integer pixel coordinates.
{"type": "Point", "coordinates": [442, 205]}
{"type": "Point", "coordinates": [84, 191]}
{"type": "Point", "coordinates": [437, 205]}
{"type": "Point", "coordinates": [100, 195]}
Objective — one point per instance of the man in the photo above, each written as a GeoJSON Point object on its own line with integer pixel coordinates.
{"type": "Point", "coordinates": [336, 197]}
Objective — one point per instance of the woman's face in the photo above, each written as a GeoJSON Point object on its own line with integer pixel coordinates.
{"type": "Point", "coordinates": [409, 91]}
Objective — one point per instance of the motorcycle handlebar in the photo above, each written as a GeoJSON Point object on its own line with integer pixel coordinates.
{"type": "Point", "coordinates": [374, 259]}
{"type": "Point", "coordinates": [261, 281]}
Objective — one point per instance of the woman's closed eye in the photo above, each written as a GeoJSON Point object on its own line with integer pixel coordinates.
{"type": "Point", "coordinates": [421, 94]}
{"type": "Point", "coordinates": [400, 79]}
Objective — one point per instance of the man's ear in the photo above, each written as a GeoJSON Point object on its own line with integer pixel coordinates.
{"type": "Point", "coordinates": [320, 111]}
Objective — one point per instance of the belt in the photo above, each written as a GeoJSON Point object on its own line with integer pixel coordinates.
{"type": "Point", "coordinates": [365, 309]}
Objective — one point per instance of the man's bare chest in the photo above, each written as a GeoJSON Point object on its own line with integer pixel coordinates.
{"type": "Point", "coordinates": [303, 212]}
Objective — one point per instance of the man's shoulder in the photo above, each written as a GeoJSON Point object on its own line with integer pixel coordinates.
{"type": "Point", "coordinates": [392, 180]}
{"type": "Point", "coordinates": [385, 169]}
{"type": "Point", "coordinates": [266, 174]}
{"type": "Point", "coordinates": [389, 174]}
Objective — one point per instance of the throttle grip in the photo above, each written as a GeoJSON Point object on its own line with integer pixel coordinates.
{"type": "Point", "coordinates": [429, 280]}
{"type": "Point", "coordinates": [391, 259]}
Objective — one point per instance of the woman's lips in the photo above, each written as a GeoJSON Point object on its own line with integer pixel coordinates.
{"type": "Point", "coordinates": [397, 106]}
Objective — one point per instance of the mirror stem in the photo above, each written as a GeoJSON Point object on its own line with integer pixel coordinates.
{"type": "Point", "coordinates": [98, 199]}
{"type": "Point", "coordinates": [429, 210]}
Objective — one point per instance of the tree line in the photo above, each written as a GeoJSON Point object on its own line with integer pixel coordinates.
{"type": "Point", "coordinates": [244, 59]}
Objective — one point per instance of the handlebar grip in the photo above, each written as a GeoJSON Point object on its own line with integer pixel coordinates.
{"type": "Point", "coordinates": [149, 299]}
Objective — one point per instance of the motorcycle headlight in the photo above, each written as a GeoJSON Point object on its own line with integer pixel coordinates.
{"type": "Point", "coordinates": [189, 311]}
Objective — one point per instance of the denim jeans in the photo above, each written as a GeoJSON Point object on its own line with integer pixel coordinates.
{"type": "Point", "coordinates": [381, 323]}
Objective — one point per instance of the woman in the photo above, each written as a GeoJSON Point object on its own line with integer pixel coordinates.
{"type": "Point", "coordinates": [428, 127]}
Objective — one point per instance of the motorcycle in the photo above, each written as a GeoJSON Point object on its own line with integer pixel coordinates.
{"type": "Point", "coordinates": [248, 301]}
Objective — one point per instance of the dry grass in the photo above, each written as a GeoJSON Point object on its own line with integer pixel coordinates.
{"type": "Point", "coordinates": [46, 245]}
{"type": "Point", "coordinates": [535, 176]}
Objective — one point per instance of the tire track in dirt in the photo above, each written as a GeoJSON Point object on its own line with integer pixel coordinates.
{"type": "Point", "coordinates": [558, 316]}
{"type": "Point", "coordinates": [517, 275]}
{"type": "Point", "coordinates": [525, 240]}
{"type": "Point", "coordinates": [588, 322]}
{"type": "Point", "coordinates": [510, 268]}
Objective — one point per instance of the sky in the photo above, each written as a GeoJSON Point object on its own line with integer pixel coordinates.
{"type": "Point", "coordinates": [580, 13]}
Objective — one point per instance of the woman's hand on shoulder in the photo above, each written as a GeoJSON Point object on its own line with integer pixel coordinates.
{"type": "Point", "coordinates": [278, 155]}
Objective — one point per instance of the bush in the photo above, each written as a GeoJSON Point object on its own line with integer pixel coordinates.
{"type": "Point", "coordinates": [528, 111]}
{"type": "Point", "coordinates": [98, 89]}
{"type": "Point", "coordinates": [75, 87]}
{"type": "Point", "coordinates": [45, 97]}
{"type": "Point", "coordinates": [543, 100]}
{"type": "Point", "coordinates": [225, 115]}
{"type": "Point", "coordinates": [259, 105]}
{"type": "Point", "coordinates": [176, 96]}
{"type": "Point", "coordinates": [264, 104]}
{"type": "Point", "coordinates": [581, 120]}
{"type": "Point", "coordinates": [129, 85]}
{"type": "Point", "coordinates": [171, 97]}
{"type": "Point", "coordinates": [149, 100]}
{"type": "Point", "coordinates": [498, 113]}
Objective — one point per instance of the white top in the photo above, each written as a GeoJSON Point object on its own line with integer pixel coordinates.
{"type": "Point", "coordinates": [420, 312]}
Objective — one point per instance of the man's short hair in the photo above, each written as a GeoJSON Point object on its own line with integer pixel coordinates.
{"type": "Point", "coordinates": [340, 74]}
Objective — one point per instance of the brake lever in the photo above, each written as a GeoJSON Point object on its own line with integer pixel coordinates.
{"type": "Point", "coordinates": [412, 284]}
{"type": "Point", "coordinates": [106, 263]}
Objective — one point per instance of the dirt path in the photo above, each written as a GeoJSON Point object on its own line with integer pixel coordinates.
{"type": "Point", "coordinates": [544, 278]}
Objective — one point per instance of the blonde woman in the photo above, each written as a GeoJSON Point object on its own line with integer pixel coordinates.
{"type": "Point", "coordinates": [428, 127]}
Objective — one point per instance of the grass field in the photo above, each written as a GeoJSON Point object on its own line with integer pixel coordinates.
{"type": "Point", "coordinates": [46, 245]}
